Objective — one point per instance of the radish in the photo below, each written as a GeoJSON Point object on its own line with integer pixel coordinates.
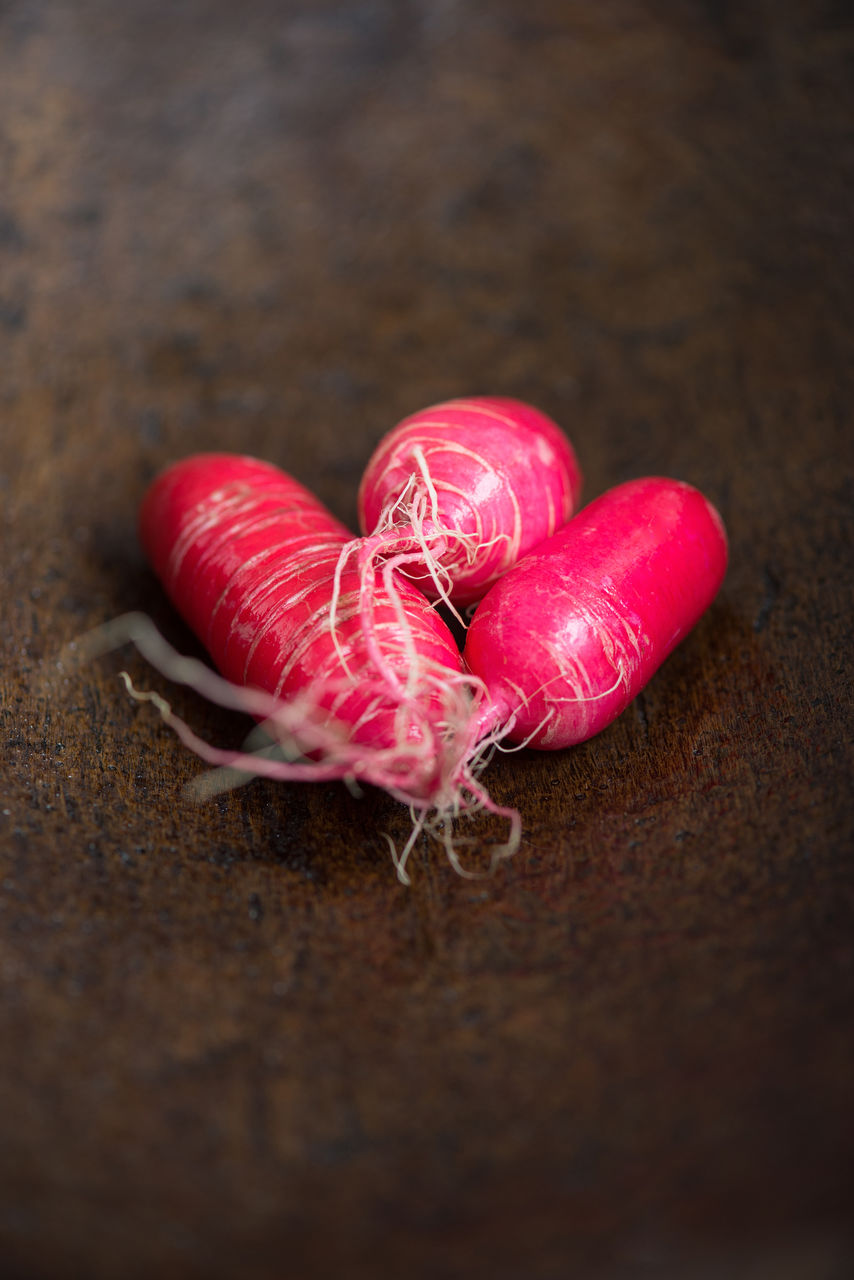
{"type": "Point", "coordinates": [248, 557]}
{"type": "Point", "coordinates": [566, 639]}
{"type": "Point", "coordinates": [459, 491]}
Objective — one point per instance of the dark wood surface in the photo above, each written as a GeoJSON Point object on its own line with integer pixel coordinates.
{"type": "Point", "coordinates": [231, 1044]}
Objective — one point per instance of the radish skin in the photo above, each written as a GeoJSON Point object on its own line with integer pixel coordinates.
{"type": "Point", "coordinates": [567, 638]}
{"type": "Point", "coordinates": [465, 488]}
{"type": "Point", "coordinates": [248, 556]}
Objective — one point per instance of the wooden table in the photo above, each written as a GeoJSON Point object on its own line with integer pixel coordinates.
{"type": "Point", "coordinates": [231, 1044]}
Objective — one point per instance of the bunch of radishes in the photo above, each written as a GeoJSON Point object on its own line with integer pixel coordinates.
{"type": "Point", "coordinates": [337, 646]}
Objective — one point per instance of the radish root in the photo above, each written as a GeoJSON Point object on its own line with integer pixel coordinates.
{"type": "Point", "coordinates": [436, 775]}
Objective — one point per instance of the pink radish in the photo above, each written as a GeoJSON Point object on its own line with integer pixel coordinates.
{"type": "Point", "coordinates": [568, 637]}
{"type": "Point", "coordinates": [461, 490]}
{"type": "Point", "coordinates": [248, 557]}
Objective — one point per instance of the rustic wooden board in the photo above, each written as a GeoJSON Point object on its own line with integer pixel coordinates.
{"type": "Point", "coordinates": [230, 1042]}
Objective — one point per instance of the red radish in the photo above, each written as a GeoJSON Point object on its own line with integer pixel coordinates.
{"type": "Point", "coordinates": [462, 490]}
{"type": "Point", "coordinates": [248, 557]}
{"type": "Point", "coordinates": [370, 685]}
{"type": "Point", "coordinates": [568, 637]}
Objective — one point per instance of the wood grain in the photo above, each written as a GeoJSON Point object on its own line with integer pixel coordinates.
{"type": "Point", "coordinates": [230, 1042]}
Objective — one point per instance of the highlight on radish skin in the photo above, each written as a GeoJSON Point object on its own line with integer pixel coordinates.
{"type": "Point", "coordinates": [459, 491]}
